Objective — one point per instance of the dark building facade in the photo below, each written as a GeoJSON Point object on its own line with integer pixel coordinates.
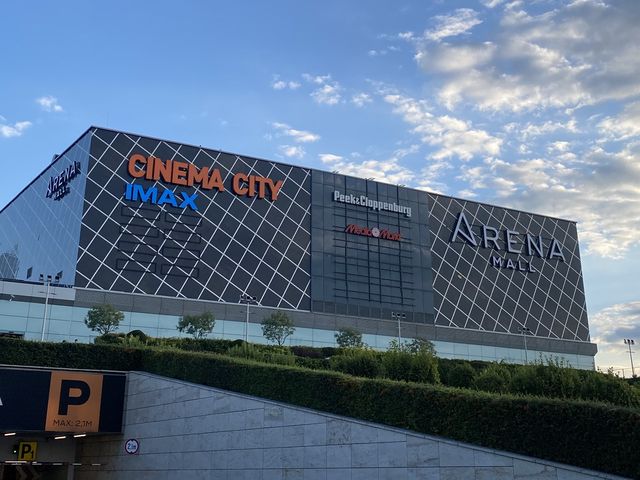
{"type": "Point", "coordinates": [162, 229]}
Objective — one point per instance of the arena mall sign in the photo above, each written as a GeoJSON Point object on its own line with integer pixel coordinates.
{"type": "Point", "coordinates": [514, 242]}
{"type": "Point", "coordinates": [58, 186]}
{"type": "Point", "coordinates": [372, 232]}
{"type": "Point", "coordinates": [187, 174]}
{"type": "Point", "coordinates": [364, 201]}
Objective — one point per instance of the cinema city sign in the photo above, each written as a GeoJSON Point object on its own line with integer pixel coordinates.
{"type": "Point", "coordinates": [187, 174]}
{"type": "Point", "coordinates": [532, 245]}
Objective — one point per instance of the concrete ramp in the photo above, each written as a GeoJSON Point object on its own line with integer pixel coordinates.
{"type": "Point", "coordinates": [186, 431]}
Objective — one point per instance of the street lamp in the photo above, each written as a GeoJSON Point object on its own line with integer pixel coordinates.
{"type": "Point", "coordinates": [399, 316]}
{"type": "Point", "coordinates": [248, 300]}
{"type": "Point", "coordinates": [47, 280]}
{"type": "Point", "coordinates": [525, 331]}
{"type": "Point", "coordinates": [629, 342]}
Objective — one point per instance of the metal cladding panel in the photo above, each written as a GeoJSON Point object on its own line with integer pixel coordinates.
{"type": "Point", "coordinates": [486, 287]}
{"type": "Point", "coordinates": [232, 244]}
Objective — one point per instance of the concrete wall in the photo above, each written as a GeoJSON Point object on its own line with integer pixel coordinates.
{"type": "Point", "coordinates": [188, 431]}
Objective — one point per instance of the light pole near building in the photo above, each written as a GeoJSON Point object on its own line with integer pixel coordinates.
{"type": "Point", "coordinates": [248, 300]}
{"type": "Point", "coordinates": [525, 331]}
{"type": "Point", "coordinates": [46, 280]}
{"type": "Point", "coordinates": [399, 316]}
{"type": "Point", "coordinates": [629, 342]}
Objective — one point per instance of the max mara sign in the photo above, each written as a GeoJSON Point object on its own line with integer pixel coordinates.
{"type": "Point", "coordinates": [512, 242]}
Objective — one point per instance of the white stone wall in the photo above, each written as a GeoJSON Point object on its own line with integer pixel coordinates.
{"type": "Point", "coordinates": [188, 431]}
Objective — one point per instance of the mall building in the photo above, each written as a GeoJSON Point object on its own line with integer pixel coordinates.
{"type": "Point", "coordinates": [161, 229]}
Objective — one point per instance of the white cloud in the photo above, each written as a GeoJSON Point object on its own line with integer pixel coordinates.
{"type": "Point", "coordinates": [279, 84]}
{"type": "Point", "coordinates": [49, 104]}
{"type": "Point", "coordinates": [328, 94]}
{"type": "Point", "coordinates": [453, 137]}
{"type": "Point", "coordinates": [559, 147]}
{"type": "Point", "coordinates": [532, 130]}
{"type": "Point", "coordinates": [15, 130]}
{"type": "Point", "coordinates": [551, 59]}
{"type": "Point", "coordinates": [298, 136]}
{"type": "Point", "coordinates": [387, 171]}
{"type": "Point", "coordinates": [624, 125]}
{"type": "Point", "coordinates": [491, 3]}
{"type": "Point", "coordinates": [445, 58]}
{"type": "Point", "coordinates": [292, 151]}
{"type": "Point", "coordinates": [610, 326]}
{"type": "Point", "coordinates": [456, 23]}
{"type": "Point", "coordinates": [361, 99]}
{"type": "Point", "coordinates": [600, 190]}
{"type": "Point", "coordinates": [328, 91]}
{"type": "Point", "coordinates": [330, 158]}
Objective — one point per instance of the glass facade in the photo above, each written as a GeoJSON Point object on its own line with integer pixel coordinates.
{"type": "Point", "coordinates": [39, 233]}
{"type": "Point", "coordinates": [66, 323]}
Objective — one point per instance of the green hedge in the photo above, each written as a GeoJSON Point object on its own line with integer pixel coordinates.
{"type": "Point", "coordinates": [589, 435]}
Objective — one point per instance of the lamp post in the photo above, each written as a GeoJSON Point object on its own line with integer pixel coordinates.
{"type": "Point", "coordinates": [399, 316]}
{"type": "Point", "coordinates": [525, 331]}
{"type": "Point", "coordinates": [629, 342]}
{"type": "Point", "coordinates": [247, 300]}
{"type": "Point", "coordinates": [47, 280]}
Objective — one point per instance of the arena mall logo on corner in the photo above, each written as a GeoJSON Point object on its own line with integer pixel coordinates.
{"type": "Point", "coordinates": [187, 174]}
{"type": "Point", "coordinates": [372, 232]}
{"type": "Point", "coordinates": [58, 186]}
{"type": "Point", "coordinates": [364, 201]}
{"type": "Point", "coordinates": [514, 242]}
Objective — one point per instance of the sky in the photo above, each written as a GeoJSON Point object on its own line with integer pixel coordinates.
{"type": "Point", "coordinates": [532, 105]}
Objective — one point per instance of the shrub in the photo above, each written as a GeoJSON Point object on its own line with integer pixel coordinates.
{"type": "Point", "coordinates": [566, 431]}
{"type": "Point", "coordinates": [139, 334]}
{"type": "Point", "coordinates": [460, 375]}
{"type": "Point", "coordinates": [357, 362]}
{"type": "Point", "coordinates": [110, 339]}
{"type": "Point", "coordinates": [494, 379]}
{"type": "Point", "coordinates": [402, 365]}
{"type": "Point", "coordinates": [249, 351]}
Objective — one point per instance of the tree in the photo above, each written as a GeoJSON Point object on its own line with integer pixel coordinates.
{"type": "Point", "coordinates": [197, 325]}
{"type": "Point", "coordinates": [277, 327]}
{"type": "Point", "coordinates": [349, 338]}
{"type": "Point", "coordinates": [103, 319]}
{"type": "Point", "coordinates": [415, 346]}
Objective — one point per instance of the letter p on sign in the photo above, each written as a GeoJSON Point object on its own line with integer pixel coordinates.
{"type": "Point", "coordinates": [27, 451]}
{"type": "Point", "coordinates": [74, 402]}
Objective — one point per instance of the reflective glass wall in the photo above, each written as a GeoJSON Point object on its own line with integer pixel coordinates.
{"type": "Point", "coordinates": [66, 323]}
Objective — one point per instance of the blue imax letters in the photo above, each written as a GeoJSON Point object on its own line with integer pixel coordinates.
{"type": "Point", "coordinates": [137, 193]}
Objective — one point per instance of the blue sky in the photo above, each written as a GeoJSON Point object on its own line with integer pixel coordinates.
{"type": "Point", "coordinates": [532, 105]}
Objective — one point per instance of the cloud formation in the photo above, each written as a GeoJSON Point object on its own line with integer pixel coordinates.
{"type": "Point", "coordinates": [298, 136]}
{"type": "Point", "coordinates": [292, 151]}
{"type": "Point", "coordinates": [279, 84]}
{"type": "Point", "coordinates": [15, 130]}
{"type": "Point", "coordinates": [386, 171]}
{"type": "Point", "coordinates": [456, 23]}
{"type": "Point", "coordinates": [551, 59]}
{"type": "Point", "coordinates": [327, 91]}
{"type": "Point", "coordinates": [454, 138]}
{"type": "Point", "coordinates": [612, 324]}
{"type": "Point", "coordinates": [49, 104]}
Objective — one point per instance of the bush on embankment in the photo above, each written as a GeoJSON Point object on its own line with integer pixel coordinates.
{"type": "Point", "coordinates": [590, 435]}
